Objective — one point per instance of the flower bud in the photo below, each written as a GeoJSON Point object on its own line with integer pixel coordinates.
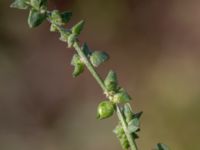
{"type": "Point", "coordinates": [105, 110]}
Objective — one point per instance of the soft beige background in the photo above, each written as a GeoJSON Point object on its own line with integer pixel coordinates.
{"type": "Point", "coordinates": [154, 47]}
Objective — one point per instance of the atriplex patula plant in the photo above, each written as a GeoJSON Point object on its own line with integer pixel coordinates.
{"type": "Point", "coordinates": [117, 99]}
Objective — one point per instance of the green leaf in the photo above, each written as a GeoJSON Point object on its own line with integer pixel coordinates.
{"type": "Point", "coordinates": [37, 4]}
{"type": "Point", "coordinates": [78, 69]}
{"type": "Point", "coordinates": [121, 97]}
{"type": "Point", "coordinates": [71, 39]}
{"type": "Point", "coordinates": [111, 81]}
{"type": "Point", "coordinates": [98, 57]}
{"type": "Point", "coordinates": [138, 115]}
{"type": "Point", "coordinates": [64, 34]}
{"type": "Point", "coordinates": [128, 113]}
{"type": "Point", "coordinates": [35, 18]}
{"type": "Point", "coordinates": [134, 125]}
{"type": "Point", "coordinates": [161, 146]}
{"type": "Point", "coordinates": [105, 110]}
{"type": "Point", "coordinates": [66, 16]}
{"type": "Point", "coordinates": [119, 131]}
{"type": "Point", "coordinates": [59, 18]}
{"type": "Point", "coordinates": [86, 50]}
{"type": "Point", "coordinates": [76, 29]}
{"type": "Point", "coordinates": [78, 65]}
{"type": "Point", "coordinates": [20, 4]}
{"type": "Point", "coordinates": [56, 17]}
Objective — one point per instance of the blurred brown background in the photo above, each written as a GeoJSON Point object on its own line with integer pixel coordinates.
{"type": "Point", "coordinates": [154, 47]}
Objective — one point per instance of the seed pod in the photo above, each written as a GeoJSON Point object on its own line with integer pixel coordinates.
{"type": "Point", "coordinates": [121, 97]}
{"type": "Point", "coordinates": [111, 81]}
{"type": "Point", "coordinates": [78, 65]}
{"type": "Point", "coordinates": [105, 110]}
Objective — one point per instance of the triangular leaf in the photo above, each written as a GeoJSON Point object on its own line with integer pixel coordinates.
{"type": "Point", "coordinates": [71, 39]}
{"type": "Point", "coordinates": [35, 18]}
{"type": "Point", "coordinates": [76, 29]}
{"type": "Point", "coordinates": [37, 4]}
{"type": "Point", "coordinates": [66, 16]}
{"type": "Point", "coordinates": [20, 4]}
{"type": "Point", "coordinates": [134, 125]}
{"type": "Point", "coordinates": [86, 50]}
{"type": "Point", "coordinates": [98, 58]}
{"type": "Point", "coordinates": [128, 113]}
{"type": "Point", "coordinates": [138, 115]}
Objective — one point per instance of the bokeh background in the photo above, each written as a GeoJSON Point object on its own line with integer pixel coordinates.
{"type": "Point", "coordinates": [154, 47]}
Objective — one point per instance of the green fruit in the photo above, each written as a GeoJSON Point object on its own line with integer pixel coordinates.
{"type": "Point", "coordinates": [105, 110]}
{"type": "Point", "coordinates": [111, 81]}
{"type": "Point", "coordinates": [121, 97]}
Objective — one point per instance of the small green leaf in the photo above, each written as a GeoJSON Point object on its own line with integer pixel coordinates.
{"type": "Point", "coordinates": [78, 65]}
{"type": "Point", "coordinates": [71, 39]}
{"type": "Point", "coordinates": [161, 146]}
{"type": "Point", "coordinates": [138, 115]}
{"type": "Point", "coordinates": [76, 29]}
{"type": "Point", "coordinates": [78, 69]}
{"type": "Point", "coordinates": [98, 58]}
{"type": "Point", "coordinates": [56, 17]}
{"type": "Point", "coordinates": [105, 110]}
{"type": "Point", "coordinates": [111, 81]}
{"type": "Point", "coordinates": [66, 16]}
{"type": "Point", "coordinates": [119, 131]}
{"type": "Point", "coordinates": [75, 60]}
{"type": "Point", "coordinates": [59, 18]}
{"type": "Point", "coordinates": [121, 97]}
{"type": "Point", "coordinates": [35, 18]}
{"type": "Point", "coordinates": [128, 113]}
{"type": "Point", "coordinates": [20, 4]}
{"type": "Point", "coordinates": [37, 4]}
{"type": "Point", "coordinates": [86, 50]}
{"type": "Point", "coordinates": [134, 125]}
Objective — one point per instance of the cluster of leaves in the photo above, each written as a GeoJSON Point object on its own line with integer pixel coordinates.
{"type": "Point", "coordinates": [85, 57]}
{"type": "Point", "coordinates": [37, 13]}
{"type": "Point", "coordinates": [133, 126]}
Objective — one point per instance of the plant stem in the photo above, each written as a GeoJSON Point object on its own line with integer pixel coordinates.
{"type": "Point", "coordinates": [89, 66]}
{"type": "Point", "coordinates": [92, 70]}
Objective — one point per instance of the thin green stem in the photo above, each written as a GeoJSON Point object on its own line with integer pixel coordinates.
{"type": "Point", "coordinates": [92, 70]}
{"type": "Point", "coordinates": [97, 77]}
{"type": "Point", "coordinates": [89, 66]}
{"type": "Point", "coordinates": [131, 141]}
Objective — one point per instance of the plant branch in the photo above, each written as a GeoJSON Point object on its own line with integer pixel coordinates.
{"type": "Point", "coordinates": [92, 70]}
